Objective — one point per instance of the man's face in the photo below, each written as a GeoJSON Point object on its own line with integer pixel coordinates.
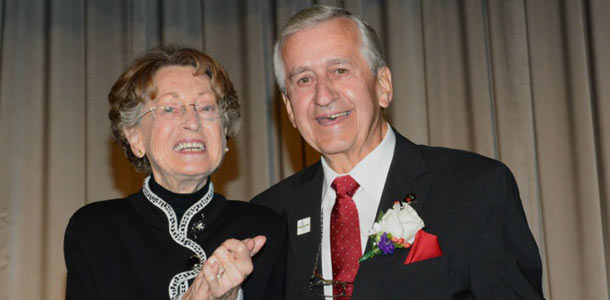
{"type": "Point", "coordinates": [332, 97]}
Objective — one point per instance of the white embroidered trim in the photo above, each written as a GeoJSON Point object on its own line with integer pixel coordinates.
{"type": "Point", "coordinates": [179, 283]}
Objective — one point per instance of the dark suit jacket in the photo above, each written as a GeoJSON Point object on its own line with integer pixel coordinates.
{"type": "Point", "coordinates": [470, 202]}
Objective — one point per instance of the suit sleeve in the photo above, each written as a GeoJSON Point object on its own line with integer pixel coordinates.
{"type": "Point", "coordinates": [268, 200]}
{"type": "Point", "coordinates": [276, 285]}
{"type": "Point", "coordinates": [291, 290]}
{"type": "Point", "coordinates": [504, 259]}
{"type": "Point", "coordinates": [80, 284]}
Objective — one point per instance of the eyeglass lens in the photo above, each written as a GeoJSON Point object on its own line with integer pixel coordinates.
{"type": "Point", "coordinates": [175, 110]}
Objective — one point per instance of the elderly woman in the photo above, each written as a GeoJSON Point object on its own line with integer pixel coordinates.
{"type": "Point", "coordinates": [172, 111]}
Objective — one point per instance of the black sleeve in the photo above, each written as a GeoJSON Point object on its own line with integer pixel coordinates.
{"type": "Point", "coordinates": [267, 279]}
{"type": "Point", "coordinates": [504, 259]}
{"type": "Point", "coordinates": [80, 283]}
{"type": "Point", "coordinates": [268, 199]}
{"type": "Point", "coordinates": [276, 285]}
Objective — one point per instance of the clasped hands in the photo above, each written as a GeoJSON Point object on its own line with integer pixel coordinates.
{"type": "Point", "coordinates": [223, 272]}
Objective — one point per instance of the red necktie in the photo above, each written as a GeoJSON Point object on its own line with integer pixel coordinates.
{"type": "Point", "coordinates": [345, 245]}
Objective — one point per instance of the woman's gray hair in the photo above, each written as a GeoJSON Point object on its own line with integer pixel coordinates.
{"type": "Point", "coordinates": [309, 17]}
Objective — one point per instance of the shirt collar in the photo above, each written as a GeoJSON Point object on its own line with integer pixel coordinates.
{"type": "Point", "coordinates": [371, 171]}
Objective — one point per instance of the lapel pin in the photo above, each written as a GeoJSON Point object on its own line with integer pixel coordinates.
{"type": "Point", "coordinates": [303, 226]}
{"type": "Point", "coordinates": [410, 198]}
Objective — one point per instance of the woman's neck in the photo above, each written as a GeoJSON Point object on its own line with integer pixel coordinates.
{"type": "Point", "coordinates": [186, 185]}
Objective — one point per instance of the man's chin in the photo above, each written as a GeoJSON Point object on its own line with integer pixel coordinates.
{"type": "Point", "coordinates": [336, 147]}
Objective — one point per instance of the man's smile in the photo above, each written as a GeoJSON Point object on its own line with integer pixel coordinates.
{"type": "Point", "coordinates": [328, 119]}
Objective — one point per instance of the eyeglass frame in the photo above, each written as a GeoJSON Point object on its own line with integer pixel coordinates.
{"type": "Point", "coordinates": [316, 279]}
{"type": "Point", "coordinates": [182, 113]}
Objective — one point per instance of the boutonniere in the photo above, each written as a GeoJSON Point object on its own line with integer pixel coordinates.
{"type": "Point", "coordinates": [396, 228]}
{"type": "Point", "coordinates": [401, 227]}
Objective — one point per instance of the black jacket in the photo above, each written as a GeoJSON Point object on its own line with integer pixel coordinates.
{"type": "Point", "coordinates": [470, 202]}
{"type": "Point", "coordinates": [121, 249]}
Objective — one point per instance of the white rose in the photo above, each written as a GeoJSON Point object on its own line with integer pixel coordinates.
{"type": "Point", "coordinates": [401, 221]}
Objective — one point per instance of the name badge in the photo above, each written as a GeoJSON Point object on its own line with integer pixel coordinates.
{"type": "Point", "coordinates": [303, 226]}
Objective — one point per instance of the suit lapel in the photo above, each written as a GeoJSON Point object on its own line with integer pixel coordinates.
{"type": "Point", "coordinates": [306, 204]}
{"type": "Point", "coordinates": [406, 176]}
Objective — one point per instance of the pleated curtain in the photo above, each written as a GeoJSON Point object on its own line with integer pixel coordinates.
{"type": "Point", "coordinates": [526, 82]}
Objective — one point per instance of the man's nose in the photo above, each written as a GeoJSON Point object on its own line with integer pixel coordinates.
{"type": "Point", "coordinates": [325, 92]}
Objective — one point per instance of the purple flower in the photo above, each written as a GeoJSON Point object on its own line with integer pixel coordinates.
{"type": "Point", "coordinates": [386, 245]}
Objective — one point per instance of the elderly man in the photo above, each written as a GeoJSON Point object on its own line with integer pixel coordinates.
{"type": "Point", "coordinates": [475, 241]}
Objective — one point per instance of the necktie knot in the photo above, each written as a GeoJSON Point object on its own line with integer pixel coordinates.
{"type": "Point", "coordinates": [345, 186]}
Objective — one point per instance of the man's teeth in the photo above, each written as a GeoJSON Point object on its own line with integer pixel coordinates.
{"type": "Point", "coordinates": [189, 147]}
{"type": "Point", "coordinates": [332, 117]}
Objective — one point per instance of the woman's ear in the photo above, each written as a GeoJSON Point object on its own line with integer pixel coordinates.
{"type": "Point", "coordinates": [383, 87]}
{"type": "Point", "coordinates": [135, 142]}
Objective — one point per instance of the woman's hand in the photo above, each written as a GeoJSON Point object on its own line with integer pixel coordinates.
{"type": "Point", "coordinates": [224, 271]}
{"type": "Point", "coordinates": [255, 244]}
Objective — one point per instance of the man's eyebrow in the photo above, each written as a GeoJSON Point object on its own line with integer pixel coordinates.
{"type": "Point", "coordinates": [339, 61]}
{"type": "Point", "coordinates": [297, 71]}
{"type": "Point", "coordinates": [330, 62]}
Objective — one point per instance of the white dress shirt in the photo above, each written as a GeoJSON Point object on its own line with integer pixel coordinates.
{"type": "Point", "coordinates": [370, 173]}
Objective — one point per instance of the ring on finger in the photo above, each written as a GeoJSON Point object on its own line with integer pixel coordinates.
{"type": "Point", "coordinates": [220, 273]}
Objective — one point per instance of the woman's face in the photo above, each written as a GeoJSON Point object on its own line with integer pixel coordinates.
{"type": "Point", "coordinates": [188, 147]}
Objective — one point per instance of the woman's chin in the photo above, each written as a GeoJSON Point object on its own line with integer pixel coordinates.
{"type": "Point", "coordinates": [195, 173]}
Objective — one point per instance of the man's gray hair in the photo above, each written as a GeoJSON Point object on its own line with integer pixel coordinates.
{"type": "Point", "coordinates": [309, 17]}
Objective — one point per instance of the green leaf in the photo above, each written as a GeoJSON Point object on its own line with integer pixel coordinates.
{"type": "Point", "coordinates": [369, 254]}
{"type": "Point", "coordinates": [379, 216]}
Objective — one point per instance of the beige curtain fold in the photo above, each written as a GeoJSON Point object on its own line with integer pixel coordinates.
{"type": "Point", "coordinates": [525, 82]}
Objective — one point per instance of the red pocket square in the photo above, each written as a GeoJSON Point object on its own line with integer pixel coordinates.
{"type": "Point", "coordinates": [425, 246]}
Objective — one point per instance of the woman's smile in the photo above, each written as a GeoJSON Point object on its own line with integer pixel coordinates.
{"type": "Point", "coordinates": [190, 147]}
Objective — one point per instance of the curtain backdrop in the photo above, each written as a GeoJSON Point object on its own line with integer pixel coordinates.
{"type": "Point", "coordinates": [525, 82]}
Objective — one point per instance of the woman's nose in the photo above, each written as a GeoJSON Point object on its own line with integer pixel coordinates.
{"type": "Point", "coordinates": [191, 118]}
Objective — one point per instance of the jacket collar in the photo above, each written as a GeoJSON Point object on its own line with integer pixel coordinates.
{"type": "Point", "coordinates": [407, 176]}
{"type": "Point", "coordinates": [306, 205]}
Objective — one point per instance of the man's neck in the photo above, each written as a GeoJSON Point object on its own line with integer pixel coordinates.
{"type": "Point", "coordinates": [342, 163]}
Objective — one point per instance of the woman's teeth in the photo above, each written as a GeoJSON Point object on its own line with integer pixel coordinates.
{"type": "Point", "coordinates": [189, 147]}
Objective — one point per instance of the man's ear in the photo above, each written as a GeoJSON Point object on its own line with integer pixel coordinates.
{"type": "Point", "coordinates": [135, 142]}
{"type": "Point", "coordinates": [383, 86]}
{"type": "Point", "coordinates": [289, 110]}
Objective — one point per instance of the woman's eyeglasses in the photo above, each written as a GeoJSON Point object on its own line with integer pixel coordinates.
{"type": "Point", "coordinates": [176, 111]}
